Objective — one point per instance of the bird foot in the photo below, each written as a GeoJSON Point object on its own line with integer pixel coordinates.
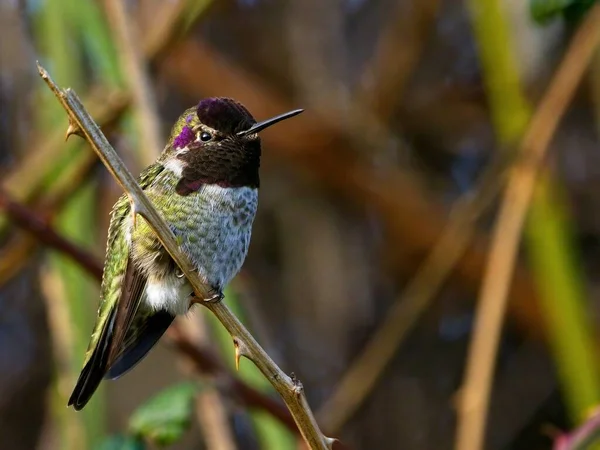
{"type": "Point", "coordinates": [216, 296]}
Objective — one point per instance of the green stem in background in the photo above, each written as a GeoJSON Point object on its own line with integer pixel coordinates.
{"type": "Point", "coordinates": [75, 222]}
{"type": "Point", "coordinates": [66, 31]}
{"type": "Point", "coordinates": [56, 37]}
{"type": "Point", "coordinates": [271, 434]}
{"type": "Point", "coordinates": [549, 238]}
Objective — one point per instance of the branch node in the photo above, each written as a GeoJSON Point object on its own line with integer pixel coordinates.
{"type": "Point", "coordinates": [43, 72]}
{"type": "Point", "coordinates": [298, 388]}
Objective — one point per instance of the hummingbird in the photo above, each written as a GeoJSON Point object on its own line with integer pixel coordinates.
{"type": "Point", "coordinates": [205, 184]}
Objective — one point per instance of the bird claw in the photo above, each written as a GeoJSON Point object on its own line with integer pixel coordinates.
{"type": "Point", "coordinates": [217, 296]}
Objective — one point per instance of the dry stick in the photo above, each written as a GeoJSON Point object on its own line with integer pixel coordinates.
{"type": "Point", "coordinates": [475, 395]}
{"type": "Point", "coordinates": [291, 390]}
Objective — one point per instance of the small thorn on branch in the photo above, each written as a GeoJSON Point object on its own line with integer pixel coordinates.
{"type": "Point", "coordinates": [73, 129]}
{"type": "Point", "coordinates": [240, 350]}
{"type": "Point", "coordinates": [238, 354]}
{"type": "Point", "coordinates": [330, 442]}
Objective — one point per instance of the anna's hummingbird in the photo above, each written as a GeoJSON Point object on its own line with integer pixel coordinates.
{"type": "Point", "coordinates": [205, 184]}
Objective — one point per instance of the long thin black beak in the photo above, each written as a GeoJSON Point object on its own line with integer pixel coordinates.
{"type": "Point", "coordinates": [267, 123]}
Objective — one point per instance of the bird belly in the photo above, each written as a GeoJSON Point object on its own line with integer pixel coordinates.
{"type": "Point", "coordinates": [219, 243]}
{"type": "Point", "coordinates": [213, 227]}
{"type": "Point", "coordinates": [169, 293]}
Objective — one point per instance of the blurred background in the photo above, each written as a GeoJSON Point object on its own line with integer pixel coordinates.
{"type": "Point", "coordinates": [378, 208]}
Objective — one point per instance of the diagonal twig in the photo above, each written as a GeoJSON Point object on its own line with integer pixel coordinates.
{"type": "Point", "coordinates": [290, 389]}
{"type": "Point", "coordinates": [472, 412]}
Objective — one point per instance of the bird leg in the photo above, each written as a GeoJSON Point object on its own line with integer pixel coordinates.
{"type": "Point", "coordinates": [216, 295]}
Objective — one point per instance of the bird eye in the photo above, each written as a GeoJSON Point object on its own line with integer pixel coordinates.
{"type": "Point", "coordinates": [205, 137]}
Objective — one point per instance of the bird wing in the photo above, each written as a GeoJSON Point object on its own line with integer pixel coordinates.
{"type": "Point", "coordinates": [122, 289]}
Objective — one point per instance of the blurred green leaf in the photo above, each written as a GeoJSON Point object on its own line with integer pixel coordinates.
{"type": "Point", "coordinates": [577, 10]}
{"type": "Point", "coordinates": [165, 417]}
{"type": "Point", "coordinates": [543, 11]}
{"type": "Point", "coordinates": [120, 442]}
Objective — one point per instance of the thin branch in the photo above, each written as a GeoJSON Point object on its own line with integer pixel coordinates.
{"type": "Point", "coordinates": [290, 389]}
{"type": "Point", "coordinates": [507, 232]}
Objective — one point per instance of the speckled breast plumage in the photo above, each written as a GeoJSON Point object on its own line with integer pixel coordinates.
{"type": "Point", "coordinates": [213, 226]}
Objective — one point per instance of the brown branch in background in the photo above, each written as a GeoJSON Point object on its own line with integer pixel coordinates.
{"type": "Point", "coordinates": [397, 53]}
{"type": "Point", "coordinates": [291, 390]}
{"type": "Point", "coordinates": [150, 141]}
{"type": "Point", "coordinates": [47, 235]}
{"type": "Point", "coordinates": [213, 421]}
{"type": "Point", "coordinates": [165, 26]}
{"type": "Point", "coordinates": [19, 248]}
{"type": "Point", "coordinates": [475, 394]}
{"type": "Point", "coordinates": [58, 317]}
{"type": "Point", "coordinates": [207, 362]}
{"type": "Point", "coordinates": [204, 360]}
